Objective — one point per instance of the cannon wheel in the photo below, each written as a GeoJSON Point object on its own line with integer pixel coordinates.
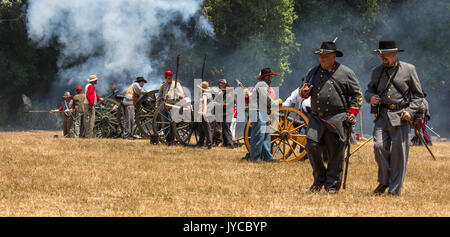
{"type": "Point", "coordinates": [145, 109]}
{"type": "Point", "coordinates": [288, 138]}
{"type": "Point", "coordinates": [108, 118]}
{"type": "Point", "coordinates": [164, 126]}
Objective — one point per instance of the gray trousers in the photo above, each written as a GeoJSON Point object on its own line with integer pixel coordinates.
{"type": "Point", "coordinates": [330, 176]}
{"type": "Point", "coordinates": [129, 121]}
{"type": "Point", "coordinates": [391, 153]}
{"type": "Point", "coordinates": [204, 132]}
{"type": "Point", "coordinates": [67, 126]}
{"type": "Point", "coordinates": [89, 131]}
{"type": "Point", "coordinates": [79, 121]}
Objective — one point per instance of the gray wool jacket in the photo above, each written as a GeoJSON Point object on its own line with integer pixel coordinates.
{"type": "Point", "coordinates": [332, 95]}
{"type": "Point", "coordinates": [405, 91]}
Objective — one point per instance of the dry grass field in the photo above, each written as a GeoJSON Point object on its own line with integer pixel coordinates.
{"type": "Point", "coordinates": [45, 176]}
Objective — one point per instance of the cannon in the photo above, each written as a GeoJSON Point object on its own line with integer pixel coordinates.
{"type": "Point", "coordinates": [288, 135]}
{"type": "Point", "coordinates": [145, 110]}
{"type": "Point", "coordinates": [109, 117]}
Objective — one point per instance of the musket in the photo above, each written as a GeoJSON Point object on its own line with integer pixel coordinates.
{"type": "Point", "coordinates": [431, 129]}
{"type": "Point", "coordinates": [349, 154]}
{"type": "Point", "coordinates": [421, 138]}
{"type": "Point", "coordinates": [44, 111]}
{"type": "Point", "coordinates": [176, 75]}
{"type": "Point", "coordinates": [347, 158]}
{"type": "Point", "coordinates": [203, 68]}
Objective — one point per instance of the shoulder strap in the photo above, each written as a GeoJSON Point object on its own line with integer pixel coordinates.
{"type": "Point", "coordinates": [398, 87]}
{"type": "Point", "coordinates": [390, 78]}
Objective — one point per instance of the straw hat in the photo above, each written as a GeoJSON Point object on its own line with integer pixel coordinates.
{"type": "Point", "coordinates": [92, 78]}
{"type": "Point", "coordinates": [204, 86]}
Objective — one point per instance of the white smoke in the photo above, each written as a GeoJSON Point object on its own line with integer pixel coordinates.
{"type": "Point", "coordinates": [109, 38]}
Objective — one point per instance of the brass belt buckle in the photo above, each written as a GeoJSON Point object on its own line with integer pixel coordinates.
{"type": "Point", "coordinates": [392, 106]}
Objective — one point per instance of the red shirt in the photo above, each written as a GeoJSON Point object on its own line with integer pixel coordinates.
{"type": "Point", "coordinates": [91, 95]}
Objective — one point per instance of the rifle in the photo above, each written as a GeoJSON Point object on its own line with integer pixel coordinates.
{"type": "Point", "coordinates": [203, 68]}
{"type": "Point", "coordinates": [347, 158]}
{"type": "Point", "coordinates": [176, 76]}
{"type": "Point", "coordinates": [44, 111]}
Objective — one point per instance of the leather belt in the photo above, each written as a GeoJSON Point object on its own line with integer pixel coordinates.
{"type": "Point", "coordinates": [393, 106]}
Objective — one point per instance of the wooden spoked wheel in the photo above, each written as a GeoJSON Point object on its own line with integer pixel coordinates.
{"type": "Point", "coordinates": [168, 129]}
{"type": "Point", "coordinates": [288, 135]}
{"type": "Point", "coordinates": [108, 118]}
{"type": "Point", "coordinates": [145, 108]}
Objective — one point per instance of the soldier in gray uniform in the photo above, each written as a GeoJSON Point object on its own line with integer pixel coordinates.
{"type": "Point", "coordinates": [335, 101]}
{"type": "Point", "coordinates": [395, 95]}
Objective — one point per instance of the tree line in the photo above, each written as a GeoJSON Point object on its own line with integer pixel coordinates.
{"type": "Point", "coordinates": [249, 35]}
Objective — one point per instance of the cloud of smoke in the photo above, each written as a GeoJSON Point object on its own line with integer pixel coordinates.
{"type": "Point", "coordinates": [109, 38]}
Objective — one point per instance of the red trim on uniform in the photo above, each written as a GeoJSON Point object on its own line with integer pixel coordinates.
{"type": "Point", "coordinates": [270, 73]}
{"type": "Point", "coordinates": [353, 111]}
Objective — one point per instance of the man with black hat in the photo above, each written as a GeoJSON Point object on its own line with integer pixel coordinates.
{"type": "Point", "coordinates": [395, 95]}
{"type": "Point", "coordinates": [262, 101]}
{"type": "Point", "coordinates": [335, 101]}
{"type": "Point", "coordinates": [134, 92]}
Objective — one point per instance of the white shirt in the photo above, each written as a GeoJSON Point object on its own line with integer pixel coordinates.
{"type": "Point", "coordinates": [300, 103]}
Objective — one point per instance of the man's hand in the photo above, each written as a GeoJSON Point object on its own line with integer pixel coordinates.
{"type": "Point", "coordinates": [351, 119]}
{"type": "Point", "coordinates": [418, 123]}
{"type": "Point", "coordinates": [306, 89]}
{"type": "Point", "coordinates": [375, 100]}
{"type": "Point", "coordinates": [405, 115]}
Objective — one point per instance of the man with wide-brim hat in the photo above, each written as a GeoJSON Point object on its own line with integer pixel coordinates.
{"type": "Point", "coordinates": [262, 102]}
{"type": "Point", "coordinates": [336, 97]}
{"type": "Point", "coordinates": [203, 115]}
{"type": "Point", "coordinates": [92, 98]}
{"type": "Point", "coordinates": [134, 92]}
{"type": "Point", "coordinates": [66, 108]}
{"type": "Point", "coordinates": [395, 95]}
{"type": "Point", "coordinates": [328, 48]}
